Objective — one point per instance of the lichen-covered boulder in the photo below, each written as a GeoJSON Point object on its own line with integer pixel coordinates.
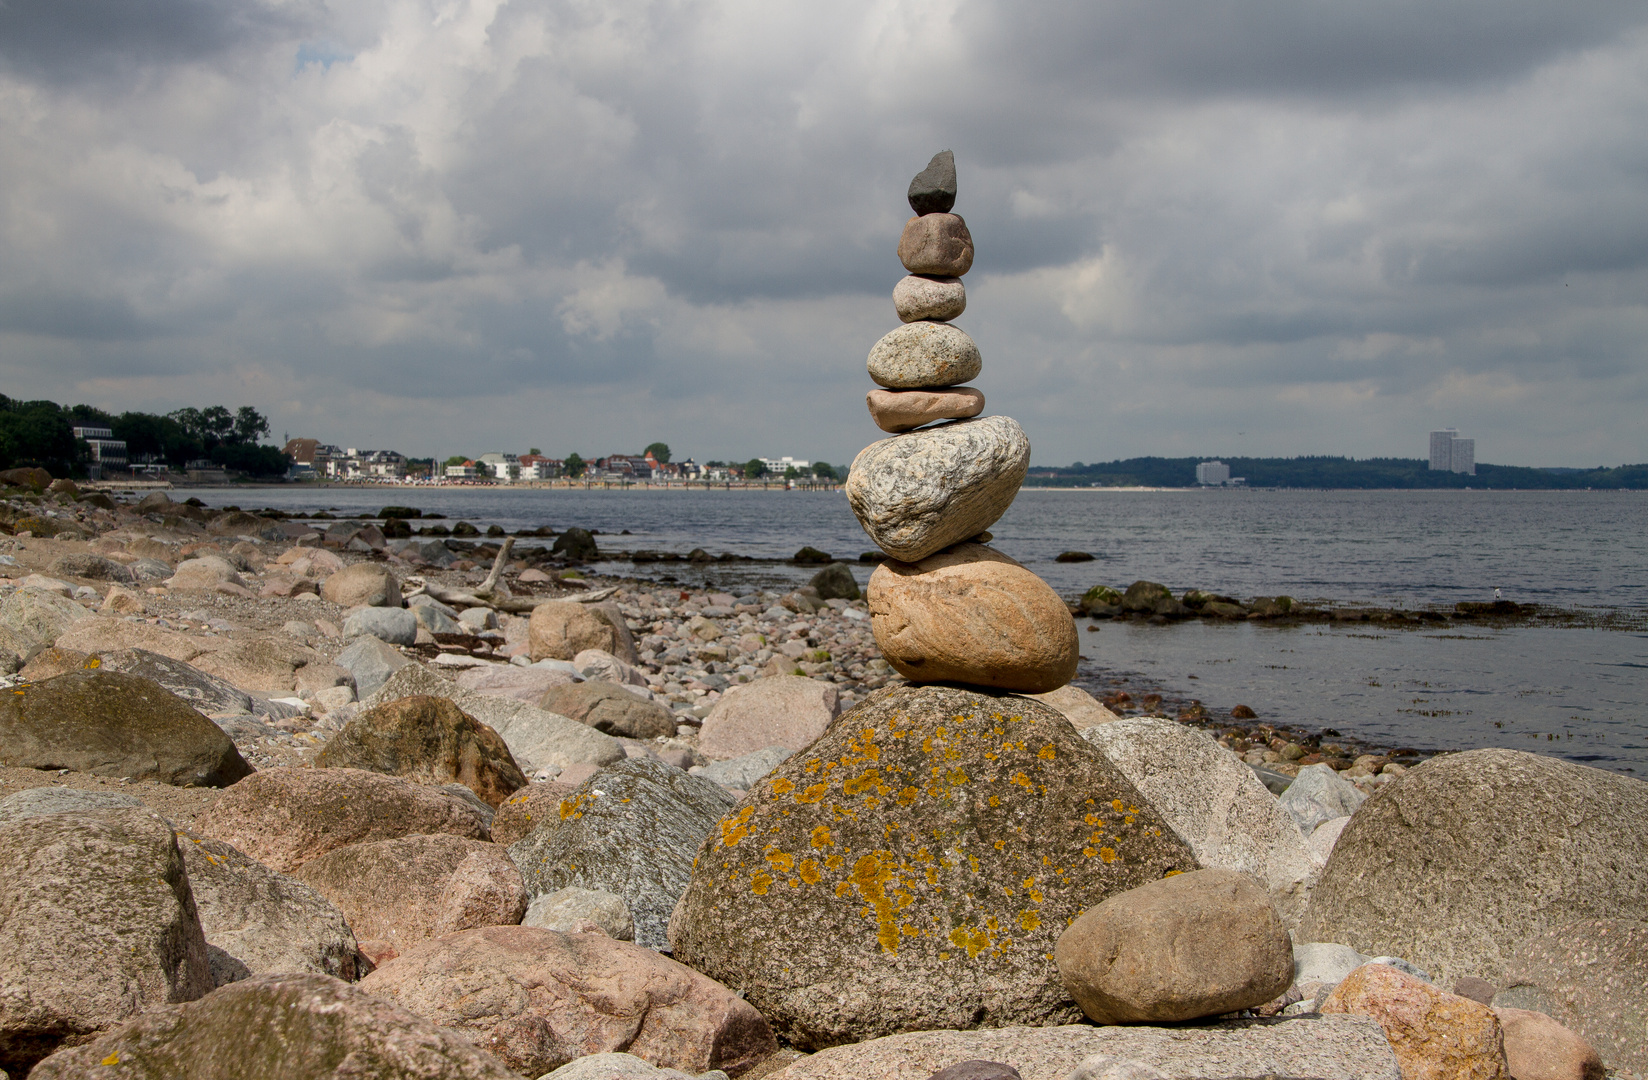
{"type": "Point", "coordinates": [632, 830]}
{"type": "Point", "coordinates": [430, 740]}
{"type": "Point", "coordinates": [111, 724]}
{"type": "Point", "coordinates": [913, 868]}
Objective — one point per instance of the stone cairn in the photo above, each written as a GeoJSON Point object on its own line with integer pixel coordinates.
{"type": "Point", "coordinates": [945, 607]}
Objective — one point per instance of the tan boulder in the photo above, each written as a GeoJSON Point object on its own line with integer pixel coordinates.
{"type": "Point", "coordinates": [561, 630]}
{"type": "Point", "coordinates": [51, 662]}
{"type": "Point", "coordinates": [266, 663]}
{"type": "Point", "coordinates": [406, 890]}
{"type": "Point", "coordinates": [936, 244]}
{"type": "Point", "coordinates": [120, 601]}
{"type": "Point", "coordinates": [782, 710]}
{"type": "Point", "coordinates": [939, 298]}
{"type": "Point", "coordinates": [608, 707]}
{"type": "Point", "coordinates": [1079, 707]}
{"type": "Point", "coordinates": [1539, 1048]}
{"type": "Point", "coordinates": [146, 548]}
{"type": "Point", "coordinates": [204, 574]}
{"type": "Point", "coordinates": [284, 817]}
{"type": "Point", "coordinates": [901, 410]}
{"type": "Point", "coordinates": [31, 617]}
{"type": "Point", "coordinates": [1436, 1035]}
{"type": "Point", "coordinates": [1187, 946]}
{"type": "Point", "coordinates": [972, 615]}
{"type": "Point", "coordinates": [430, 740]}
{"type": "Point", "coordinates": [529, 808]}
{"type": "Point", "coordinates": [101, 635]}
{"type": "Point", "coordinates": [538, 999]}
{"type": "Point", "coordinates": [363, 583]}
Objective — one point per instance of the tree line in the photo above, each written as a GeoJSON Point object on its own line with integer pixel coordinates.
{"type": "Point", "coordinates": [41, 433]}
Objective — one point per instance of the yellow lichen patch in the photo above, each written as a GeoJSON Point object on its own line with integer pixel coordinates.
{"type": "Point", "coordinates": [995, 800]}
{"type": "Point", "coordinates": [870, 876]}
{"type": "Point", "coordinates": [735, 827]}
{"type": "Point", "coordinates": [1172, 873]}
{"type": "Point", "coordinates": [781, 786]}
{"type": "Point", "coordinates": [813, 793]}
{"type": "Point", "coordinates": [1000, 844]}
{"type": "Point", "coordinates": [821, 837]}
{"type": "Point", "coordinates": [1108, 854]}
{"type": "Point", "coordinates": [760, 883]}
{"type": "Point", "coordinates": [1117, 805]}
{"type": "Point", "coordinates": [908, 796]}
{"type": "Point", "coordinates": [858, 784]}
{"type": "Point", "coordinates": [809, 871]}
{"type": "Point", "coordinates": [1046, 753]}
{"type": "Point", "coordinates": [843, 888]}
{"type": "Point", "coordinates": [974, 942]}
{"type": "Point", "coordinates": [1029, 920]}
{"type": "Point", "coordinates": [570, 808]}
{"type": "Point", "coordinates": [1022, 780]}
{"type": "Point", "coordinates": [834, 862]}
{"type": "Point", "coordinates": [956, 776]}
{"type": "Point", "coordinates": [782, 861]}
{"type": "Point", "coordinates": [1089, 852]}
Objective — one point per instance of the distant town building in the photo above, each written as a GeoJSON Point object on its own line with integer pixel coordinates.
{"type": "Point", "coordinates": [777, 466]}
{"type": "Point", "coordinates": [505, 467]}
{"type": "Point", "coordinates": [309, 457]}
{"type": "Point", "coordinates": [108, 452]}
{"type": "Point", "coordinates": [538, 467]}
{"type": "Point", "coordinates": [1212, 472]}
{"type": "Point", "coordinates": [1450, 453]}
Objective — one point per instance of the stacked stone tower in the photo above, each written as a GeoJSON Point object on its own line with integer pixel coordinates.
{"type": "Point", "coordinates": [946, 607]}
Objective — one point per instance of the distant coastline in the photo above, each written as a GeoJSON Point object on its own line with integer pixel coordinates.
{"type": "Point", "coordinates": [1334, 474]}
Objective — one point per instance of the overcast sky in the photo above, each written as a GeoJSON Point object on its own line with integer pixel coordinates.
{"type": "Point", "coordinates": [1266, 227]}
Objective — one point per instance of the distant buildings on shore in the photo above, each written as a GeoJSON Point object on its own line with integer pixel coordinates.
{"type": "Point", "coordinates": [1217, 474]}
{"type": "Point", "coordinates": [108, 452]}
{"type": "Point", "coordinates": [1450, 453]}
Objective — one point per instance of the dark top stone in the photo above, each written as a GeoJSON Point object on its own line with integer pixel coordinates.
{"type": "Point", "coordinates": [933, 191]}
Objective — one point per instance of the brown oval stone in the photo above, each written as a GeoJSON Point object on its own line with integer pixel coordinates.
{"type": "Point", "coordinates": [901, 410]}
{"type": "Point", "coordinates": [937, 245]}
{"type": "Point", "coordinates": [972, 615]}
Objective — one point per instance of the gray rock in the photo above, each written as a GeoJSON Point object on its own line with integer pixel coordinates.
{"type": "Point", "coordinates": [479, 618]}
{"type": "Point", "coordinates": [397, 626]}
{"type": "Point", "coordinates": [1466, 856]}
{"type": "Point", "coordinates": [150, 570]}
{"type": "Point", "coordinates": [208, 693]}
{"type": "Point", "coordinates": [476, 803]}
{"type": "Point", "coordinates": [112, 724]}
{"type": "Point", "coordinates": [39, 801]}
{"type": "Point", "coordinates": [1324, 837]}
{"type": "Point", "coordinates": [99, 925]}
{"type": "Point", "coordinates": [1403, 966]}
{"type": "Point", "coordinates": [576, 544]}
{"type": "Point", "coordinates": [939, 299]}
{"type": "Point", "coordinates": [918, 493]}
{"type": "Point", "coordinates": [436, 621]}
{"type": "Point", "coordinates": [542, 740]}
{"type": "Point", "coordinates": [425, 600]}
{"type": "Point", "coordinates": [1323, 963]}
{"type": "Point", "coordinates": [1274, 782]}
{"type": "Point", "coordinates": [620, 1067]}
{"type": "Point", "coordinates": [87, 565]}
{"type": "Point", "coordinates": [933, 191]}
{"type": "Point", "coordinates": [259, 921]}
{"type": "Point", "coordinates": [1592, 977]}
{"type": "Point", "coordinates": [1214, 802]}
{"type": "Point", "coordinates": [1323, 1048]}
{"type": "Point", "coordinates": [31, 618]}
{"type": "Point", "coordinates": [371, 662]}
{"type": "Point", "coordinates": [409, 680]}
{"type": "Point", "coordinates": [1319, 794]}
{"type": "Point", "coordinates": [424, 550]}
{"type": "Point", "coordinates": [924, 354]}
{"type": "Point", "coordinates": [743, 772]}
{"type": "Point", "coordinates": [610, 708]}
{"type": "Point", "coordinates": [835, 582]}
{"type": "Point", "coordinates": [633, 829]}
{"type": "Point", "coordinates": [568, 909]}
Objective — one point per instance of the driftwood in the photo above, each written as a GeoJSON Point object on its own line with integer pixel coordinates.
{"type": "Point", "coordinates": [494, 593]}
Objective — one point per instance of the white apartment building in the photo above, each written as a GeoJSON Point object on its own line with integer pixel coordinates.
{"type": "Point", "coordinates": [1450, 453]}
{"type": "Point", "coordinates": [504, 467]}
{"type": "Point", "coordinates": [1213, 472]}
{"type": "Point", "coordinates": [108, 452]}
{"type": "Point", "coordinates": [777, 466]}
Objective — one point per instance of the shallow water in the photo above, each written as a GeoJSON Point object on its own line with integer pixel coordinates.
{"type": "Point", "coordinates": [1582, 693]}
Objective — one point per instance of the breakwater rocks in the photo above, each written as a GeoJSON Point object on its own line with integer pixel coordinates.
{"type": "Point", "coordinates": [1156, 602]}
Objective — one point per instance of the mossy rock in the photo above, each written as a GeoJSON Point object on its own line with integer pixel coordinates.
{"type": "Point", "coordinates": [912, 869]}
{"type": "Point", "coordinates": [1100, 596]}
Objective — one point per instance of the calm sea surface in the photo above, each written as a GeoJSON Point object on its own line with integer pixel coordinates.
{"type": "Point", "coordinates": [1582, 693]}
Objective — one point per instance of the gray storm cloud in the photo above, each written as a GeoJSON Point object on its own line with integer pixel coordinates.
{"type": "Point", "coordinates": [1266, 227]}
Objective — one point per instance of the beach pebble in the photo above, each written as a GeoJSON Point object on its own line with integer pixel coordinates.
{"type": "Point", "coordinates": [902, 410]}
{"type": "Point", "coordinates": [918, 493]}
{"type": "Point", "coordinates": [937, 245]}
{"type": "Point", "coordinates": [937, 298]}
{"type": "Point", "coordinates": [924, 355]}
{"type": "Point", "coordinates": [396, 626]}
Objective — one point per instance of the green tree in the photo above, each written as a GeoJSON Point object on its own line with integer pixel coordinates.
{"type": "Point", "coordinates": [249, 426]}
{"type": "Point", "coordinates": [150, 437]}
{"type": "Point", "coordinates": [534, 451]}
{"type": "Point", "coordinates": [790, 472]}
{"type": "Point", "coordinates": [455, 459]}
{"type": "Point", "coordinates": [715, 464]}
{"type": "Point", "coordinates": [824, 470]}
{"type": "Point", "coordinates": [659, 451]}
{"type": "Point", "coordinates": [754, 468]}
{"type": "Point", "coordinates": [574, 465]}
{"type": "Point", "coordinates": [38, 433]}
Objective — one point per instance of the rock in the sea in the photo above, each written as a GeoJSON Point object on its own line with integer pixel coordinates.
{"type": "Point", "coordinates": [207, 693]}
{"type": "Point", "coordinates": [901, 410]}
{"type": "Point", "coordinates": [31, 618]}
{"type": "Point", "coordinates": [296, 1027]}
{"type": "Point", "coordinates": [1435, 1035]}
{"type": "Point", "coordinates": [924, 355]}
{"type": "Point", "coordinates": [918, 493]}
{"type": "Point", "coordinates": [1591, 976]}
{"type": "Point", "coordinates": [284, 817]}
{"type": "Point", "coordinates": [430, 740]}
{"type": "Point", "coordinates": [609, 708]}
{"type": "Point", "coordinates": [631, 829]}
{"type": "Point", "coordinates": [1214, 802]}
{"type": "Point", "coordinates": [1329, 1048]}
{"type": "Point", "coordinates": [1228, 946]}
{"type": "Point", "coordinates": [363, 583]}
{"type": "Point", "coordinates": [972, 615]}
{"type": "Point", "coordinates": [397, 890]}
{"type": "Point", "coordinates": [780, 710]}
{"type": "Point", "coordinates": [371, 662]}
{"type": "Point", "coordinates": [112, 724]}
{"type": "Point", "coordinates": [537, 999]}
{"type": "Point", "coordinates": [98, 925]}
{"type": "Point", "coordinates": [572, 909]}
{"type": "Point", "coordinates": [939, 299]}
{"type": "Point", "coordinates": [936, 245]}
{"type": "Point", "coordinates": [1493, 846]}
{"type": "Point", "coordinates": [1539, 1048]}
{"type": "Point", "coordinates": [259, 921]}
{"type": "Point", "coordinates": [914, 866]}
{"type": "Point", "coordinates": [561, 629]}
{"type": "Point", "coordinates": [835, 582]}
{"type": "Point", "coordinates": [397, 626]}
{"type": "Point", "coordinates": [1318, 795]}
{"type": "Point", "coordinates": [577, 544]}
{"type": "Point", "coordinates": [933, 191]}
